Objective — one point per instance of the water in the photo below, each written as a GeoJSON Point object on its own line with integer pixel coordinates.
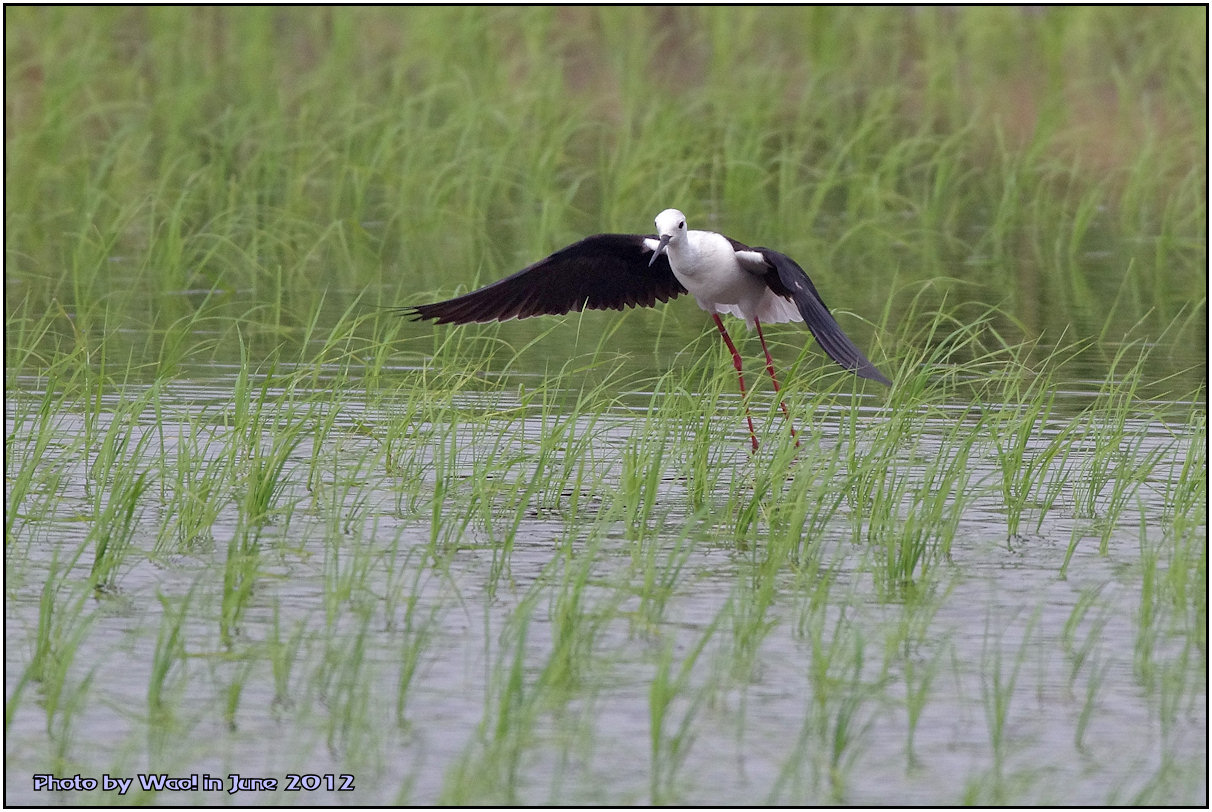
{"type": "Point", "coordinates": [1034, 687]}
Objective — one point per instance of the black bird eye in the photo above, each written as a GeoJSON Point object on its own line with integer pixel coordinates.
{"type": "Point", "coordinates": [682, 224]}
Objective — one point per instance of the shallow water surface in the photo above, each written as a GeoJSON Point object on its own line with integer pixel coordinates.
{"type": "Point", "coordinates": [422, 615]}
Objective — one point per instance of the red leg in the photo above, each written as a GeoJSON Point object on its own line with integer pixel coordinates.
{"type": "Point", "coordinates": [775, 381]}
{"type": "Point", "coordinates": [736, 362]}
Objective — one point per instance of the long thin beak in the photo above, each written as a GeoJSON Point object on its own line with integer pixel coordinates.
{"type": "Point", "coordinates": [665, 238]}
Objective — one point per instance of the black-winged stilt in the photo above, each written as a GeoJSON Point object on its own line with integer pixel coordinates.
{"type": "Point", "coordinates": [613, 271]}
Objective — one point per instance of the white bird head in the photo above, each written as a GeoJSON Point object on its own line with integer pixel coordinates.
{"type": "Point", "coordinates": [671, 228]}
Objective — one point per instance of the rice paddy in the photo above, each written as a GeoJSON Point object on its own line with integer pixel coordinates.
{"type": "Point", "coordinates": [266, 537]}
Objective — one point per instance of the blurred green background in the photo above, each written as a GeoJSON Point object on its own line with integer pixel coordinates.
{"type": "Point", "coordinates": [177, 175]}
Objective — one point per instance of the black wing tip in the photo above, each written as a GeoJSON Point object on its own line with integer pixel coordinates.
{"type": "Point", "coordinates": [837, 345]}
{"type": "Point", "coordinates": [851, 359]}
{"type": "Point", "coordinates": [791, 281]}
{"type": "Point", "coordinates": [428, 313]}
{"type": "Point", "coordinates": [843, 352]}
{"type": "Point", "coordinates": [599, 272]}
{"type": "Point", "coordinates": [870, 373]}
{"type": "Point", "coordinates": [412, 313]}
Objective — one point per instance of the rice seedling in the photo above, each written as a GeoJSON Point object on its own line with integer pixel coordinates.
{"type": "Point", "coordinates": [748, 610]}
{"type": "Point", "coordinates": [576, 626]}
{"type": "Point", "coordinates": [919, 680]}
{"type": "Point", "coordinates": [114, 527]}
{"type": "Point", "coordinates": [168, 661]}
{"type": "Point", "coordinates": [117, 489]}
{"type": "Point", "coordinates": [662, 569]}
{"type": "Point", "coordinates": [62, 624]}
{"type": "Point", "coordinates": [914, 546]}
{"type": "Point", "coordinates": [283, 654]}
{"type": "Point", "coordinates": [835, 716]}
{"type": "Point", "coordinates": [643, 469]}
{"type": "Point", "coordinates": [493, 763]}
{"type": "Point", "coordinates": [242, 565]}
{"type": "Point", "coordinates": [196, 478]}
{"type": "Point", "coordinates": [1028, 446]}
{"type": "Point", "coordinates": [998, 685]}
{"type": "Point", "coordinates": [671, 737]}
{"type": "Point", "coordinates": [267, 442]}
{"type": "Point", "coordinates": [343, 683]}
{"type": "Point", "coordinates": [417, 632]}
{"type": "Point", "coordinates": [35, 484]}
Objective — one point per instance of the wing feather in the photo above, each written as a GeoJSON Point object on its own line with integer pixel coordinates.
{"type": "Point", "coordinates": [789, 280]}
{"type": "Point", "coordinates": [602, 272]}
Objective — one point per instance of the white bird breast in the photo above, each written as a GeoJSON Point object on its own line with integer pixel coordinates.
{"type": "Point", "coordinates": [724, 280]}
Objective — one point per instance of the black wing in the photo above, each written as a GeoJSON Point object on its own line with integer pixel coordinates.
{"type": "Point", "coordinates": [790, 281]}
{"type": "Point", "coordinates": [602, 272]}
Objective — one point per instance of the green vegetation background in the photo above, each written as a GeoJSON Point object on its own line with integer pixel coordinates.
{"type": "Point", "coordinates": [176, 175]}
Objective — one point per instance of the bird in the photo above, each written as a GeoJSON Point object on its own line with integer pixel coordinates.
{"type": "Point", "coordinates": [616, 271]}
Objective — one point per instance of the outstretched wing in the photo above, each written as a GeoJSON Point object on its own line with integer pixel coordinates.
{"type": "Point", "coordinates": [602, 272]}
{"type": "Point", "coordinates": [788, 279]}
